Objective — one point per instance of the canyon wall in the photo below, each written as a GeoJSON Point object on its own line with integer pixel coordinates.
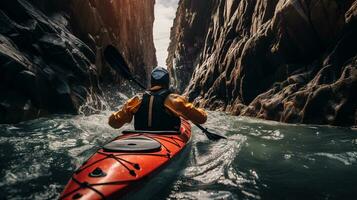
{"type": "Point", "coordinates": [285, 60]}
{"type": "Point", "coordinates": [187, 40]}
{"type": "Point", "coordinates": [51, 52]}
{"type": "Point", "coordinates": [126, 24]}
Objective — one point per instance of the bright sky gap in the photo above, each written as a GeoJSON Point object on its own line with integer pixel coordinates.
{"type": "Point", "coordinates": [165, 11]}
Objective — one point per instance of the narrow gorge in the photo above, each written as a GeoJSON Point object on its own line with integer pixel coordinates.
{"type": "Point", "coordinates": [51, 52]}
{"type": "Point", "coordinates": [285, 60]}
{"type": "Point", "coordinates": [276, 81]}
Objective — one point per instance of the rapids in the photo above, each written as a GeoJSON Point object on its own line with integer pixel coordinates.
{"type": "Point", "coordinates": [260, 159]}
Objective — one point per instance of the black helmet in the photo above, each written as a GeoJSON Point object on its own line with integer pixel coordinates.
{"type": "Point", "coordinates": [160, 76]}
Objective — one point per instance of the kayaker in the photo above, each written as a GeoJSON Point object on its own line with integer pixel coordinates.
{"type": "Point", "coordinates": [158, 108]}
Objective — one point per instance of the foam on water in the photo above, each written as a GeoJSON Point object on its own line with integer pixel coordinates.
{"type": "Point", "coordinates": [260, 159]}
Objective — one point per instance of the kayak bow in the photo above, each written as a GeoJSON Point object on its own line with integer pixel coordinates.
{"type": "Point", "coordinates": [126, 162]}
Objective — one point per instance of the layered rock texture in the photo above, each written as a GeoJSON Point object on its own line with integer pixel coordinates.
{"type": "Point", "coordinates": [51, 51]}
{"type": "Point", "coordinates": [285, 60]}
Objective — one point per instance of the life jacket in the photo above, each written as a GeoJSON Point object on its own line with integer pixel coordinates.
{"type": "Point", "coordinates": [152, 114]}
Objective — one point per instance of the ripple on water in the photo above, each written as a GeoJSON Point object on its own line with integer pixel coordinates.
{"type": "Point", "coordinates": [204, 194]}
{"type": "Point", "coordinates": [347, 158]}
{"type": "Point", "coordinates": [56, 145]}
{"type": "Point", "coordinates": [260, 159]}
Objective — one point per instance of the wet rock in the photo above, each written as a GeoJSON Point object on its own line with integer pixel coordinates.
{"type": "Point", "coordinates": [51, 51]}
{"type": "Point", "coordinates": [30, 87]}
{"type": "Point", "coordinates": [15, 107]}
{"type": "Point", "coordinates": [290, 61]}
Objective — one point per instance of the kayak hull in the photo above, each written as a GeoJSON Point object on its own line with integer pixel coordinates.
{"type": "Point", "coordinates": [111, 174]}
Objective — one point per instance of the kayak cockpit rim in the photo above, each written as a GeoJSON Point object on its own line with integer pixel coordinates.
{"type": "Point", "coordinates": [151, 132]}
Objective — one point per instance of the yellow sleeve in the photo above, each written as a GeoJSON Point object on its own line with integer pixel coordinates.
{"type": "Point", "coordinates": [180, 106]}
{"type": "Point", "coordinates": [125, 115]}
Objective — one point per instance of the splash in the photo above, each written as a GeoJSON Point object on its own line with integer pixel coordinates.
{"type": "Point", "coordinates": [260, 160]}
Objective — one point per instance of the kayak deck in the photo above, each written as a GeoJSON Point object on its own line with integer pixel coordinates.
{"type": "Point", "coordinates": [111, 173]}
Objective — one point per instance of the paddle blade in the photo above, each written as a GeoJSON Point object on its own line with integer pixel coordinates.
{"type": "Point", "coordinates": [210, 135]}
{"type": "Point", "coordinates": [214, 136]}
{"type": "Point", "coordinates": [118, 63]}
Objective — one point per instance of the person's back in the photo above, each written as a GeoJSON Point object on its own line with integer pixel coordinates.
{"type": "Point", "coordinates": [152, 113]}
{"type": "Point", "coordinates": [158, 108]}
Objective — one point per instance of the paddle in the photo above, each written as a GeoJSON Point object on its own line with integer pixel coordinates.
{"type": "Point", "coordinates": [118, 63]}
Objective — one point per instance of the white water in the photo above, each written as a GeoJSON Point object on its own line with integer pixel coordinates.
{"type": "Point", "coordinates": [260, 159]}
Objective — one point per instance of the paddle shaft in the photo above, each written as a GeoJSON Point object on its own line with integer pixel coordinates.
{"type": "Point", "coordinates": [143, 87]}
{"type": "Point", "coordinates": [210, 135]}
{"type": "Point", "coordinates": [123, 68]}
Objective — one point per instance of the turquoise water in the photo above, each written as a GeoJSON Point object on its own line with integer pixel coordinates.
{"type": "Point", "coordinates": [260, 159]}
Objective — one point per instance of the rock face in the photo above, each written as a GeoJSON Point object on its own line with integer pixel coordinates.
{"type": "Point", "coordinates": [187, 39]}
{"type": "Point", "coordinates": [128, 24]}
{"type": "Point", "coordinates": [285, 60]}
{"type": "Point", "coordinates": [50, 51]}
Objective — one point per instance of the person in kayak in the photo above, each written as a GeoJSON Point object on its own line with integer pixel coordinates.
{"type": "Point", "coordinates": [158, 108]}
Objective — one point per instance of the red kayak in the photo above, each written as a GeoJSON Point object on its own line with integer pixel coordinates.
{"type": "Point", "coordinates": [125, 163]}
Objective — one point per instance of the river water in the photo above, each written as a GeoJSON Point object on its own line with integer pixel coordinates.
{"type": "Point", "coordinates": [260, 159]}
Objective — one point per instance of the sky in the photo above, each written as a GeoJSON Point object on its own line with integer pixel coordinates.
{"type": "Point", "coordinates": [165, 11]}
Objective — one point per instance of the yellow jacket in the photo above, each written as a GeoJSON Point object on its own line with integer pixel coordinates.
{"type": "Point", "coordinates": [178, 105]}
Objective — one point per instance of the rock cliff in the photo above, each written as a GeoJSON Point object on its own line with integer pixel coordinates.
{"type": "Point", "coordinates": [285, 60]}
{"type": "Point", "coordinates": [127, 24]}
{"type": "Point", "coordinates": [51, 51]}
